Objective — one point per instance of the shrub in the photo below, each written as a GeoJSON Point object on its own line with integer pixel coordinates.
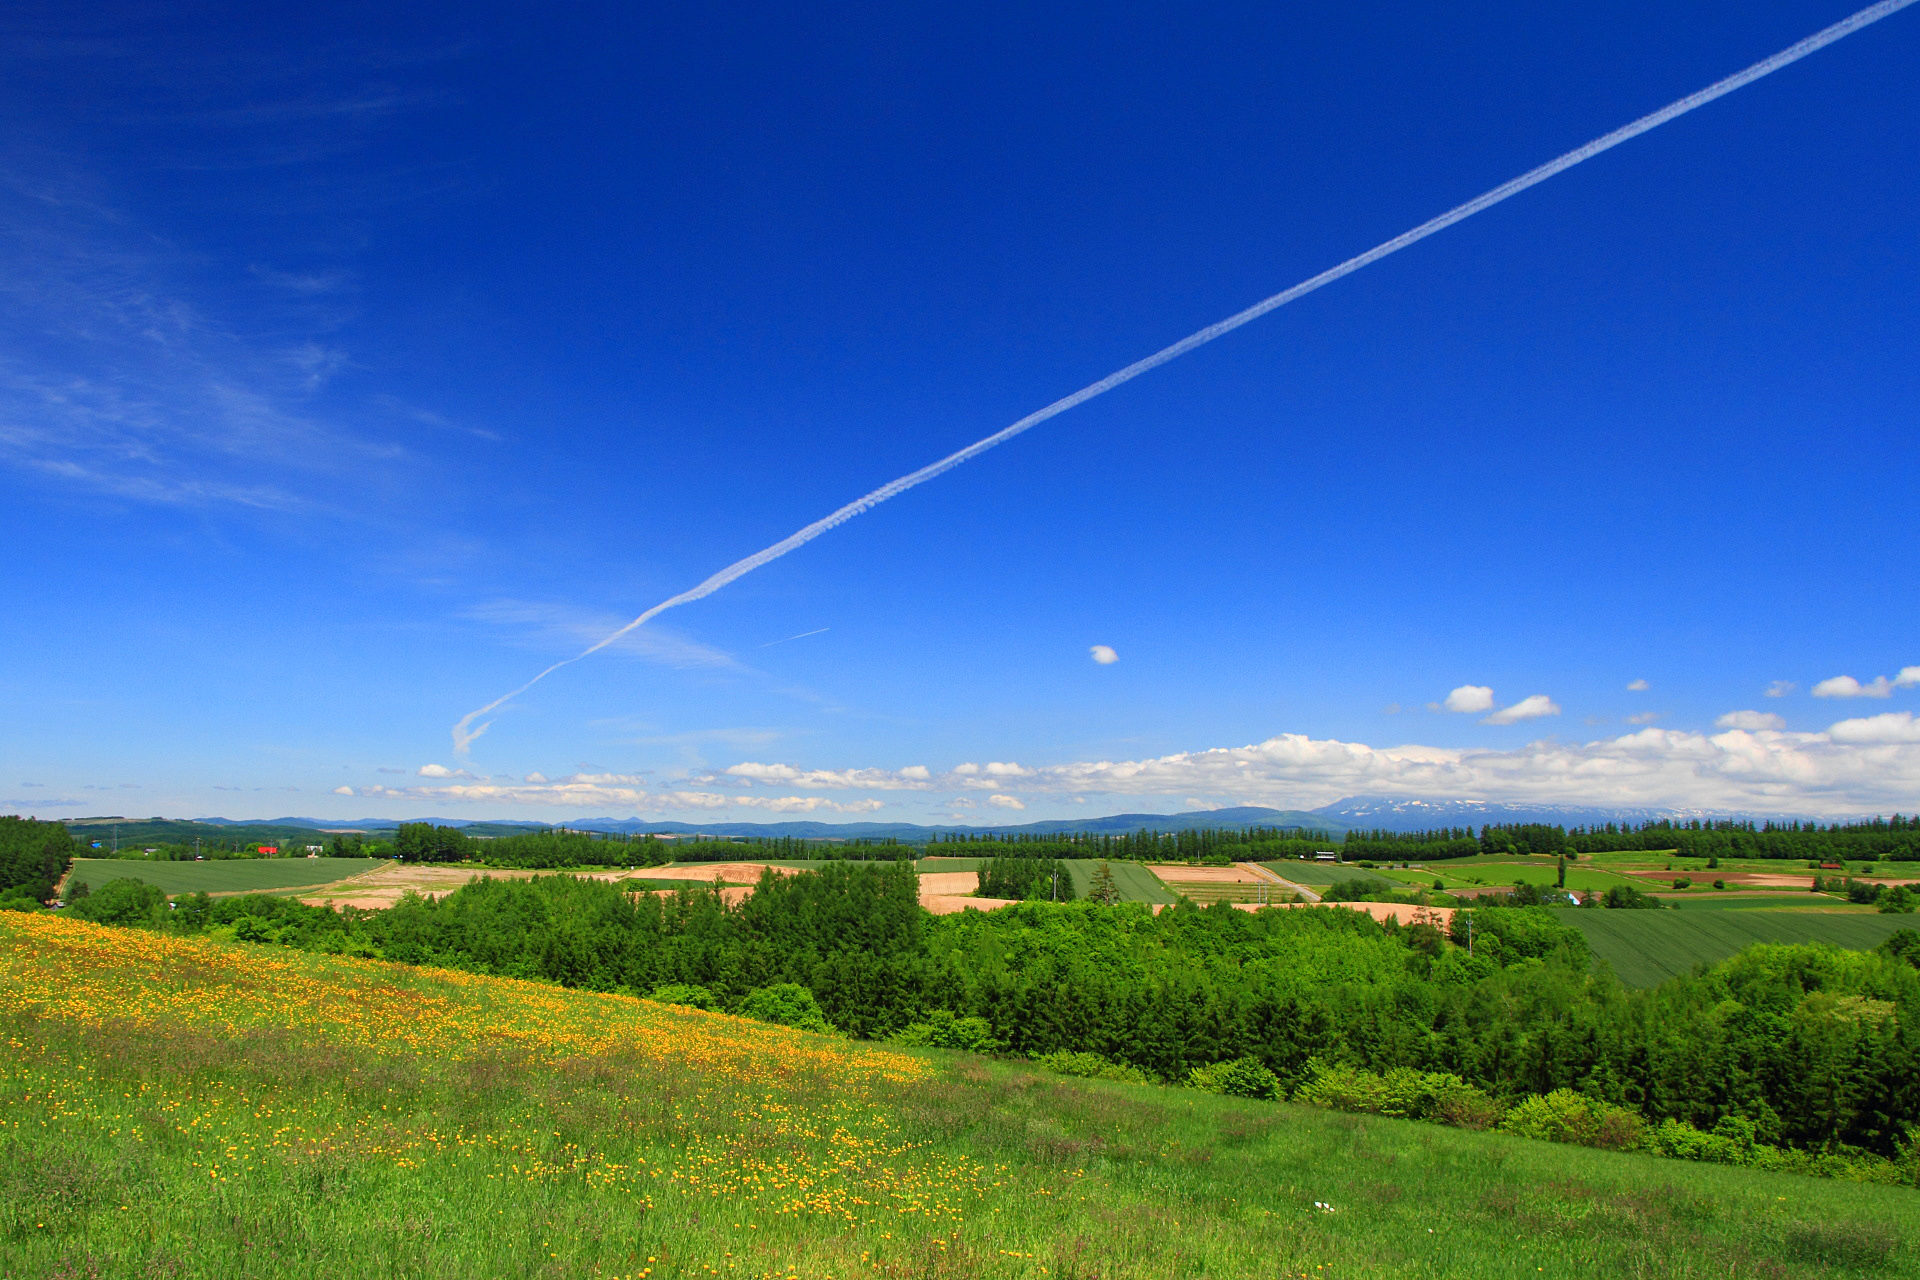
{"type": "Point", "coordinates": [687, 994]}
{"type": "Point", "coordinates": [786, 1003]}
{"type": "Point", "coordinates": [942, 1030]}
{"type": "Point", "coordinates": [122, 902]}
{"type": "Point", "coordinates": [1566, 1116]}
{"type": "Point", "coordinates": [21, 897]}
{"type": "Point", "coordinates": [1241, 1078]}
{"type": "Point", "coordinates": [1416, 1095]}
{"type": "Point", "coordinates": [1343, 1088]}
{"type": "Point", "coordinates": [1091, 1066]}
{"type": "Point", "coordinates": [1898, 900]}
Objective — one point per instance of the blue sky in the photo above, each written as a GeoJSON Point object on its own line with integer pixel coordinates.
{"type": "Point", "coordinates": [358, 363]}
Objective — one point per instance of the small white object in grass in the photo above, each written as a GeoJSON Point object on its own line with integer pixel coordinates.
{"type": "Point", "coordinates": [1104, 654]}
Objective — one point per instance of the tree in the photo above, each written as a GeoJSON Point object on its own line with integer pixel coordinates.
{"type": "Point", "coordinates": [122, 902]}
{"type": "Point", "coordinates": [787, 1003]}
{"type": "Point", "coordinates": [1104, 890]}
{"type": "Point", "coordinates": [33, 854]}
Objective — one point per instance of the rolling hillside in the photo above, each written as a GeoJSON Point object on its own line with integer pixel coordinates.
{"type": "Point", "coordinates": [191, 1109]}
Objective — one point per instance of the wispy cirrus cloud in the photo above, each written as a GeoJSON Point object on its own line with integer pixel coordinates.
{"type": "Point", "coordinates": [118, 375]}
{"type": "Point", "coordinates": [612, 791]}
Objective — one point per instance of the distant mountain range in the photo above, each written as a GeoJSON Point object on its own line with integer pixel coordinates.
{"type": "Point", "coordinates": [1397, 813]}
{"type": "Point", "coordinates": [1116, 824]}
{"type": "Point", "coordinates": [1391, 813]}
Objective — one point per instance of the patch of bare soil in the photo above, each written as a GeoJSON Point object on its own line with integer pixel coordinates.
{"type": "Point", "coordinates": [724, 872]}
{"type": "Point", "coordinates": [387, 883]}
{"type": "Point", "coordinates": [1207, 875]}
{"type": "Point", "coordinates": [947, 904]}
{"type": "Point", "coordinates": [948, 883]}
{"type": "Point", "coordinates": [1752, 879]}
{"type": "Point", "coordinates": [1404, 912]}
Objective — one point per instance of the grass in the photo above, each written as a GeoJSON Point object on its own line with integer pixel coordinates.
{"type": "Point", "coordinates": [1758, 900]}
{"type": "Point", "coordinates": [191, 1109]}
{"type": "Point", "coordinates": [220, 875]}
{"type": "Point", "coordinates": [1319, 873]}
{"type": "Point", "coordinates": [1134, 881]}
{"type": "Point", "coordinates": [1648, 947]}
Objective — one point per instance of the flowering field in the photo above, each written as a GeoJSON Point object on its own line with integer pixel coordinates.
{"type": "Point", "coordinates": [175, 1107]}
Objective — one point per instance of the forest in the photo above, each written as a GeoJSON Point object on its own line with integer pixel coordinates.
{"type": "Point", "coordinates": [1805, 1047]}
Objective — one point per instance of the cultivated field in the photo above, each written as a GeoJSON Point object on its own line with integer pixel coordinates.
{"type": "Point", "coordinates": [220, 875]}
{"type": "Point", "coordinates": [191, 1109]}
{"type": "Point", "coordinates": [1237, 884]}
{"type": "Point", "coordinates": [1648, 947]}
{"type": "Point", "coordinates": [1135, 882]}
{"type": "Point", "coordinates": [1324, 873]}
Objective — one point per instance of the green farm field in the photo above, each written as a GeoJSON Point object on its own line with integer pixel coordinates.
{"type": "Point", "coordinates": [1648, 947]}
{"type": "Point", "coordinates": [1323, 873]}
{"type": "Point", "coordinates": [221, 875]}
{"type": "Point", "coordinates": [201, 1110]}
{"type": "Point", "coordinates": [1700, 898]}
{"type": "Point", "coordinates": [1135, 882]}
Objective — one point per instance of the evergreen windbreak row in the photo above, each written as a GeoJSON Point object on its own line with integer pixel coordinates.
{"type": "Point", "coordinates": [1893, 839]}
{"type": "Point", "coordinates": [1812, 1047]}
{"type": "Point", "coordinates": [1897, 838]}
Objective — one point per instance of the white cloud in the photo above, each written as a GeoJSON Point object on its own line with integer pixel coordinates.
{"type": "Point", "coordinates": [912, 778]}
{"type": "Point", "coordinates": [1878, 687]}
{"type": "Point", "coordinates": [1006, 802]}
{"type": "Point", "coordinates": [1888, 726]}
{"type": "Point", "coordinates": [536, 777]}
{"type": "Point", "coordinates": [1750, 720]}
{"type": "Point", "coordinates": [1758, 771]}
{"type": "Point", "coordinates": [1641, 717]}
{"type": "Point", "coordinates": [343, 791]}
{"type": "Point", "coordinates": [1848, 687]}
{"type": "Point", "coordinates": [441, 771]}
{"type": "Point", "coordinates": [1781, 688]}
{"type": "Point", "coordinates": [1104, 655]}
{"type": "Point", "coordinates": [1532, 707]}
{"type": "Point", "coordinates": [1470, 698]}
{"type": "Point", "coordinates": [1638, 686]}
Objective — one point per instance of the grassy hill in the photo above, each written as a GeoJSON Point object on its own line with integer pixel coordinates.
{"type": "Point", "coordinates": [191, 1109]}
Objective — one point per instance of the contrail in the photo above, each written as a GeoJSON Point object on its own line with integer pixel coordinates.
{"type": "Point", "coordinates": [802, 636]}
{"type": "Point", "coordinates": [464, 733]}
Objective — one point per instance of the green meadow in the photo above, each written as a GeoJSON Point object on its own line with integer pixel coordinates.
{"type": "Point", "coordinates": [1648, 947]}
{"type": "Point", "coordinates": [219, 875]}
